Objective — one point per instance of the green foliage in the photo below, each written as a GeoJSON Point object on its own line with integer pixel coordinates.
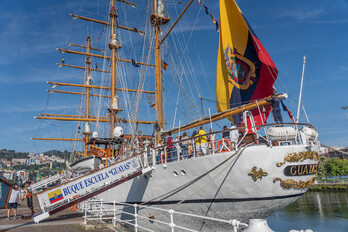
{"type": "Point", "coordinates": [11, 154]}
{"type": "Point", "coordinates": [332, 167]}
{"type": "Point", "coordinates": [61, 154]}
{"type": "Point", "coordinates": [322, 169]}
{"type": "Point", "coordinates": [327, 187]}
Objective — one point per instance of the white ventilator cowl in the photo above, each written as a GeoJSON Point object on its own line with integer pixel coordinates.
{"type": "Point", "coordinates": [118, 132]}
{"type": "Point", "coordinates": [95, 134]}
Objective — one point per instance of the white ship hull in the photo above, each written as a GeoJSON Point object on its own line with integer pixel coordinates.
{"type": "Point", "coordinates": [227, 192]}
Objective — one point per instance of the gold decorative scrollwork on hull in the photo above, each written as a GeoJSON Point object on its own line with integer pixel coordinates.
{"type": "Point", "coordinates": [289, 184]}
{"type": "Point", "coordinates": [257, 174]}
{"type": "Point", "coordinates": [294, 157]}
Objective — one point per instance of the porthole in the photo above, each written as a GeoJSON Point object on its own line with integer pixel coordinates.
{"type": "Point", "coordinates": [183, 172]}
{"type": "Point", "coordinates": [175, 173]}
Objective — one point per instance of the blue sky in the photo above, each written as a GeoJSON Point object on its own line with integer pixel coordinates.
{"type": "Point", "coordinates": [30, 32]}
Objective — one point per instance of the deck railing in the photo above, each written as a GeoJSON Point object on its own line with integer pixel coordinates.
{"type": "Point", "coordinates": [162, 153]}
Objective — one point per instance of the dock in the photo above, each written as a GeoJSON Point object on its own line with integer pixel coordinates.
{"type": "Point", "coordinates": [65, 220]}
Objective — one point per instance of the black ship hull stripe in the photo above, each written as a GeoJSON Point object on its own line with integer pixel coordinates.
{"type": "Point", "coordinates": [221, 200]}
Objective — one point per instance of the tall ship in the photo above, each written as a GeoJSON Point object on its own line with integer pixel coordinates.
{"type": "Point", "coordinates": [126, 110]}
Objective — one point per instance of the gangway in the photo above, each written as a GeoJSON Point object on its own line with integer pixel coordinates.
{"type": "Point", "coordinates": [65, 195]}
{"type": "Point", "coordinates": [46, 181]}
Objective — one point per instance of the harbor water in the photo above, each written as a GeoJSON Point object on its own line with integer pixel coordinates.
{"type": "Point", "coordinates": [318, 211]}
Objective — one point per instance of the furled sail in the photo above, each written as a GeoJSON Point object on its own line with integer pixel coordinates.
{"type": "Point", "coordinates": [245, 71]}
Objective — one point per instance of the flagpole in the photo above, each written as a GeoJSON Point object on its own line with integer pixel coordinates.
{"type": "Point", "coordinates": [300, 97]}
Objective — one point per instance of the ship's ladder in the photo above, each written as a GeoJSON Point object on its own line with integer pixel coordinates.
{"type": "Point", "coordinates": [82, 188]}
{"type": "Point", "coordinates": [46, 181]}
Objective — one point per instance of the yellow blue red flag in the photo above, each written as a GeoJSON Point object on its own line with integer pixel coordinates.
{"type": "Point", "coordinates": [245, 71]}
{"type": "Point", "coordinates": [55, 196]}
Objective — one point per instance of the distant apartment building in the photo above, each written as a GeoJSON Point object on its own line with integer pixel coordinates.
{"type": "Point", "coordinates": [19, 161]}
{"type": "Point", "coordinates": [8, 164]}
{"type": "Point", "coordinates": [31, 161]}
{"type": "Point", "coordinates": [9, 175]}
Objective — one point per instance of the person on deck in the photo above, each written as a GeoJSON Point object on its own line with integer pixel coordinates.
{"type": "Point", "coordinates": [13, 202]}
{"type": "Point", "coordinates": [177, 146]}
{"type": "Point", "coordinates": [203, 140]}
{"type": "Point", "coordinates": [212, 140]}
{"type": "Point", "coordinates": [29, 196]}
{"type": "Point", "coordinates": [161, 154]}
{"type": "Point", "coordinates": [276, 110]}
{"type": "Point", "coordinates": [184, 145]}
{"type": "Point", "coordinates": [195, 143]}
{"type": "Point", "coordinates": [234, 135]}
{"type": "Point", "coordinates": [225, 132]}
{"type": "Point", "coordinates": [172, 149]}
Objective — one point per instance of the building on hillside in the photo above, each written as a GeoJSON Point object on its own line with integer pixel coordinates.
{"type": "Point", "coordinates": [9, 175]}
{"type": "Point", "coordinates": [19, 161]}
{"type": "Point", "coordinates": [8, 164]}
{"type": "Point", "coordinates": [31, 161]}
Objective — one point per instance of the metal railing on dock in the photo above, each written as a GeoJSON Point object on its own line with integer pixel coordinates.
{"type": "Point", "coordinates": [100, 210]}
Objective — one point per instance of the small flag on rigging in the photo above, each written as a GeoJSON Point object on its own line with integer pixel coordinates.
{"type": "Point", "coordinates": [164, 65]}
{"type": "Point", "coordinates": [206, 9]}
{"type": "Point", "coordinates": [217, 26]}
{"type": "Point", "coordinates": [135, 64]}
{"type": "Point", "coordinates": [200, 2]}
{"type": "Point", "coordinates": [212, 17]}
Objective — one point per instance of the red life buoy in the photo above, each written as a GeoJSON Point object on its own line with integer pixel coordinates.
{"type": "Point", "coordinates": [100, 153]}
{"type": "Point", "coordinates": [221, 146]}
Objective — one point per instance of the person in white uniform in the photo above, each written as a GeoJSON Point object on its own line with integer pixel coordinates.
{"type": "Point", "coordinates": [234, 136]}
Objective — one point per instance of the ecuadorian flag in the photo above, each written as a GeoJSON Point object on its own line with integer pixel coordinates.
{"type": "Point", "coordinates": [245, 71]}
{"type": "Point", "coordinates": [55, 196]}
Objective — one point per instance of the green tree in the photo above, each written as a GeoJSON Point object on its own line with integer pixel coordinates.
{"type": "Point", "coordinates": [337, 167]}
{"type": "Point", "coordinates": [322, 168]}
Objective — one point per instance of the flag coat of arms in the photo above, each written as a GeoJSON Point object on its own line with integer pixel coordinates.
{"type": "Point", "coordinates": [55, 196]}
{"type": "Point", "coordinates": [245, 71]}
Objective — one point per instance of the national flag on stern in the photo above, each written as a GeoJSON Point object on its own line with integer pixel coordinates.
{"type": "Point", "coordinates": [55, 196]}
{"type": "Point", "coordinates": [245, 71]}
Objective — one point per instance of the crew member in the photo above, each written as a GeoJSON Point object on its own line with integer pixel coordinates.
{"type": "Point", "coordinates": [276, 110]}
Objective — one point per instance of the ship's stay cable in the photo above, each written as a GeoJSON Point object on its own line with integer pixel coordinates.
{"type": "Point", "coordinates": [103, 75]}
{"type": "Point", "coordinates": [186, 55]}
{"type": "Point", "coordinates": [168, 194]}
{"type": "Point", "coordinates": [190, 107]}
{"type": "Point", "coordinates": [175, 36]}
{"type": "Point", "coordinates": [134, 111]}
{"type": "Point", "coordinates": [163, 196]}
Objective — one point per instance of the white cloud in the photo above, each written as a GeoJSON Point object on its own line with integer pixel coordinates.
{"type": "Point", "coordinates": [32, 108]}
{"type": "Point", "coordinates": [301, 14]}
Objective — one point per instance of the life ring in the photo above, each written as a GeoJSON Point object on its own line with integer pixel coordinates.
{"type": "Point", "coordinates": [222, 147]}
{"type": "Point", "coordinates": [101, 153]}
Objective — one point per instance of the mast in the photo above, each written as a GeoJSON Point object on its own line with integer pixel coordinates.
{"type": "Point", "coordinates": [159, 81]}
{"type": "Point", "coordinates": [300, 97]}
{"type": "Point", "coordinates": [157, 19]}
{"type": "Point", "coordinates": [113, 46]}
{"type": "Point", "coordinates": [87, 82]}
